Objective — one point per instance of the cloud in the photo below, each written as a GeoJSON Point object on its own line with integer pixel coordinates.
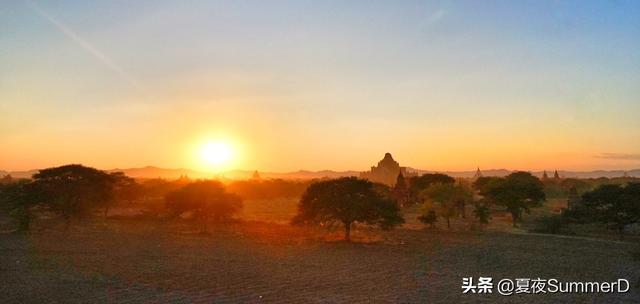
{"type": "Point", "coordinates": [84, 44]}
{"type": "Point", "coordinates": [619, 156]}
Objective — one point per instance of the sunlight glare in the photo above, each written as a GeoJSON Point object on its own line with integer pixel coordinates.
{"type": "Point", "coordinates": [216, 153]}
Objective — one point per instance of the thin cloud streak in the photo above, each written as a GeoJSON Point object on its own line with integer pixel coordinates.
{"type": "Point", "coordinates": [100, 56]}
{"type": "Point", "coordinates": [621, 156]}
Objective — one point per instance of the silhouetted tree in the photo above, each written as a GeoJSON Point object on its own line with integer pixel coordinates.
{"type": "Point", "coordinates": [517, 192]}
{"type": "Point", "coordinates": [485, 183]}
{"type": "Point", "coordinates": [614, 205]}
{"type": "Point", "coordinates": [206, 199]}
{"type": "Point", "coordinates": [347, 200]}
{"type": "Point", "coordinates": [17, 200]}
{"type": "Point", "coordinates": [417, 184]}
{"type": "Point", "coordinates": [482, 213]}
{"type": "Point", "coordinates": [126, 189]}
{"type": "Point", "coordinates": [73, 190]}
{"type": "Point", "coordinates": [446, 199]}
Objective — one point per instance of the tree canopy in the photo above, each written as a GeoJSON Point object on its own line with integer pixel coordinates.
{"type": "Point", "coordinates": [347, 200]}
{"type": "Point", "coordinates": [206, 199]}
{"type": "Point", "coordinates": [517, 192]}
{"type": "Point", "coordinates": [16, 200]}
{"type": "Point", "coordinates": [73, 190]}
{"type": "Point", "coordinates": [447, 200]}
{"type": "Point", "coordinates": [615, 205]}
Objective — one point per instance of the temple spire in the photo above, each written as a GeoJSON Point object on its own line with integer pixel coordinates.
{"type": "Point", "coordinates": [478, 174]}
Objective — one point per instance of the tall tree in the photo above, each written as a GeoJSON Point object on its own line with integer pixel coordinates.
{"type": "Point", "coordinates": [518, 192]}
{"type": "Point", "coordinates": [347, 200]}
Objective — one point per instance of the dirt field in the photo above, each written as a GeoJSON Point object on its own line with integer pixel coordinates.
{"type": "Point", "coordinates": [120, 261]}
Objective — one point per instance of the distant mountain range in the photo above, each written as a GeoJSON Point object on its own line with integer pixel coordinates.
{"type": "Point", "coordinates": [156, 172]}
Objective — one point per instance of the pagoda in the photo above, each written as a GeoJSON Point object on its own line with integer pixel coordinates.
{"type": "Point", "coordinates": [386, 172]}
{"type": "Point", "coordinates": [477, 175]}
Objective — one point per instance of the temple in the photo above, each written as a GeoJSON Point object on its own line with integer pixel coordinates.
{"type": "Point", "coordinates": [545, 176]}
{"type": "Point", "coordinates": [477, 175]}
{"type": "Point", "coordinates": [400, 191]}
{"type": "Point", "coordinates": [386, 172]}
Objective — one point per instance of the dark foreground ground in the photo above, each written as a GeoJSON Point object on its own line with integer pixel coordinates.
{"type": "Point", "coordinates": [131, 262]}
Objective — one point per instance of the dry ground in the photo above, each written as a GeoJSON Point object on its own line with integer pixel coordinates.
{"type": "Point", "coordinates": [116, 261]}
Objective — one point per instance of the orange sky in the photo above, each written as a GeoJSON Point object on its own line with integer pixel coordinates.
{"type": "Point", "coordinates": [332, 85]}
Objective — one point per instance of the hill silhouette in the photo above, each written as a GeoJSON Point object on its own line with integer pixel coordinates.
{"type": "Point", "coordinates": [169, 173]}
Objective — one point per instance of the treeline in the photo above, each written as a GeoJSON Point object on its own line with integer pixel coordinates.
{"type": "Point", "coordinates": [350, 201]}
{"type": "Point", "coordinates": [75, 191]}
{"type": "Point", "coordinates": [616, 206]}
{"type": "Point", "coordinates": [562, 187]}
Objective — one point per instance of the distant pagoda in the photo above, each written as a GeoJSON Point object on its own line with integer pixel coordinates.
{"type": "Point", "coordinates": [256, 175]}
{"type": "Point", "coordinates": [545, 177]}
{"type": "Point", "coordinates": [556, 176]}
{"type": "Point", "coordinates": [477, 175]}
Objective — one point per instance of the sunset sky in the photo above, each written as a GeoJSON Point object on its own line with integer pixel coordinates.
{"type": "Point", "coordinates": [288, 85]}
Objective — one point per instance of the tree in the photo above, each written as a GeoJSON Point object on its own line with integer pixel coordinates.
{"type": "Point", "coordinates": [517, 192]}
{"type": "Point", "coordinates": [614, 205]}
{"type": "Point", "coordinates": [16, 199]}
{"type": "Point", "coordinates": [484, 183]}
{"type": "Point", "coordinates": [73, 190]}
{"type": "Point", "coordinates": [464, 196]}
{"type": "Point", "coordinates": [428, 217]}
{"type": "Point", "coordinates": [126, 189]}
{"type": "Point", "coordinates": [448, 199]}
{"type": "Point", "coordinates": [482, 213]}
{"type": "Point", "coordinates": [206, 199]}
{"type": "Point", "coordinates": [417, 184]}
{"type": "Point", "coordinates": [347, 200]}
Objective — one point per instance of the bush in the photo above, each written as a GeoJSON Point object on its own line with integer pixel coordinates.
{"type": "Point", "coordinates": [554, 224]}
{"type": "Point", "coordinates": [428, 218]}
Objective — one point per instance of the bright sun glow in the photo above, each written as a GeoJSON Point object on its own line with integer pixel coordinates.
{"type": "Point", "coordinates": [216, 153]}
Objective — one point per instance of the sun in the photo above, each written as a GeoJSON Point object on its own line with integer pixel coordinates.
{"type": "Point", "coordinates": [216, 153]}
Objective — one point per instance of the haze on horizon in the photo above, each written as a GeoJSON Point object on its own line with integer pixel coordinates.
{"type": "Point", "coordinates": [442, 85]}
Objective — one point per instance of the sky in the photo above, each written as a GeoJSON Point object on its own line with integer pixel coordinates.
{"type": "Point", "coordinates": [442, 85]}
